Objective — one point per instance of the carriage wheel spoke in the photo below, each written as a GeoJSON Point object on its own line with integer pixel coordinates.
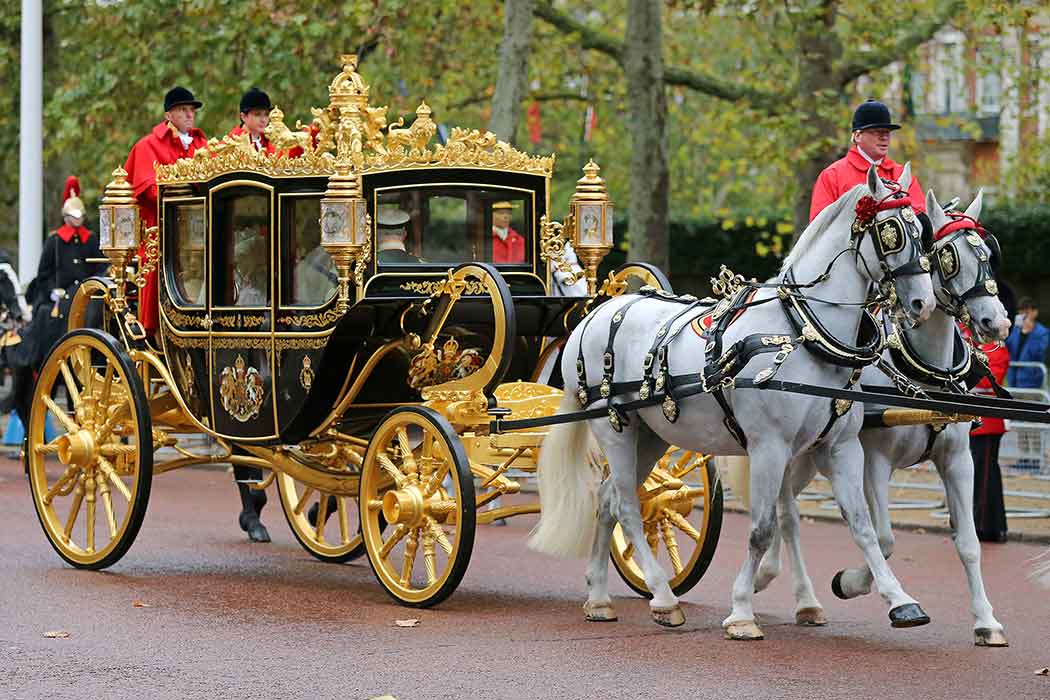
{"type": "Point", "coordinates": [115, 449]}
{"type": "Point", "coordinates": [399, 533]}
{"type": "Point", "coordinates": [89, 523]}
{"type": "Point", "coordinates": [429, 556]}
{"type": "Point", "coordinates": [115, 417]}
{"type": "Point", "coordinates": [390, 468]}
{"type": "Point", "coordinates": [652, 537]}
{"type": "Point", "coordinates": [685, 464]}
{"type": "Point", "coordinates": [671, 545]}
{"type": "Point", "coordinates": [322, 516]}
{"type": "Point", "coordinates": [301, 504]}
{"type": "Point", "coordinates": [406, 451]}
{"type": "Point", "coordinates": [107, 504]}
{"type": "Point", "coordinates": [87, 372]}
{"type": "Point", "coordinates": [681, 523]}
{"type": "Point", "coordinates": [71, 385]}
{"type": "Point", "coordinates": [344, 520]}
{"type": "Point", "coordinates": [49, 448]}
{"type": "Point", "coordinates": [439, 535]}
{"type": "Point", "coordinates": [375, 504]}
{"type": "Point", "coordinates": [108, 469]}
{"type": "Point", "coordinates": [74, 510]}
{"type": "Point", "coordinates": [59, 487]}
{"type": "Point", "coordinates": [107, 387]}
{"type": "Point", "coordinates": [68, 423]}
{"type": "Point", "coordinates": [410, 557]}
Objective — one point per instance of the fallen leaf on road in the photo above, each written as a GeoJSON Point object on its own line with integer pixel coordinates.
{"type": "Point", "coordinates": [57, 634]}
{"type": "Point", "coordinates": [808, 519]}
{"type": "Point", "coordinates": [411, 622]}
{"type": "Point", "coordinates": [140, 604]}
{"type": "Point", "coordinates": [1043, 672]}
{"type": "Point", "coordinates": [920, 531]}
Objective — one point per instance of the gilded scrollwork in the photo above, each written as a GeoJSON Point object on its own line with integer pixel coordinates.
{"type": "Point", "coordinates": [187, 342]}
{"type": "Point", "coordinates": [181, 319]}
{"type": "Point", "coordinates": [239, 321]}
{"type": "Point", "coordinates": [241, 343]}
{"type": "Point", "coordinates": [317, 320]}
{"type": "Point", "coordinates": [308, 343]}
{"type": "Point", "coordinates": [432, 366]}
{"type": "Point", "coordinates": [435, 287]}
{"type": "Point", "coordinates": [349, 127]}
{"type": "Point", "coordinates": [152, 254]}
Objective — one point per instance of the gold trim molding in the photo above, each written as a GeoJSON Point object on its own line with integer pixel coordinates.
{"type": "Point", "coordinates": [350, 125]}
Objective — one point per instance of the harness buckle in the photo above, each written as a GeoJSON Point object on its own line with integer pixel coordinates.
{"type": "Point", "coordinates": [607, 361]}
{"type": "Point", "coordinates": [606, 387]}
{"type": "Point", "coordinates": [581, 396]}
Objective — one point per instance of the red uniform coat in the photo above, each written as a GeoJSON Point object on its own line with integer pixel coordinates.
{"type": "Point", "coordinates": [267, 146]}
{"type": "Point", "coordinates": [161, 145]}
{"type": "Point", "coordinates": [998, 363]}
{"type": "Point", "coordinates": [511, 250]}
{"type": "Point", "coordinates": [846, 173]}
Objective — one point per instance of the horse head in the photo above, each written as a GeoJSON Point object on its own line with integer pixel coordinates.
{"type": "Point", "coordinates": [966, 258]}
{"type": "Point", "coordinates": [887, 235]}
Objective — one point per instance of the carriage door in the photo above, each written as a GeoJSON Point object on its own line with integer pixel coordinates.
{"type": "Point", "coordinates": [241, 310]}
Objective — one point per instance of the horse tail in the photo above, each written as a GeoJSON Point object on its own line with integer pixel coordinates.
{"type": "Point", "coordinates": [568, 478]}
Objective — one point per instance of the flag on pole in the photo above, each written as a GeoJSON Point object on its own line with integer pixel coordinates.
{"type": "Point", "coordinates": [590, 123]}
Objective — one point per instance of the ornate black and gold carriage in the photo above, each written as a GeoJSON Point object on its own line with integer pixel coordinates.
{"type": "Point", "coordinates": [358, 364]}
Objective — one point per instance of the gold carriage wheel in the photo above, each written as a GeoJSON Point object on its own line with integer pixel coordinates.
{"type": "Point", "coordinates": [90, 484]}
{"type": "Point", "coordinates": [416, 477]}
{"type": "Point", "coordinates": [325, 524]}
{"type": "Point", "coordinates": [682, 523]}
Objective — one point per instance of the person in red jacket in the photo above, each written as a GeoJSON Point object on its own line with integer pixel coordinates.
{"type": "Point", "coordinates": [173, 138]}
{"type": "Point", "coordinates": [255, 116]}
{"type": "Point", "coordinates": [508, 246]}
{"type": "Point", "coordinates": [989, 511]}
{"type": "Point", "coordinates": [872, 130]}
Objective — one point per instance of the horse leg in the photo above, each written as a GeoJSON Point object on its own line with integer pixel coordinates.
{"type": "Point", "coordinates": [845, 462]}
{"type": "Point", "coordinates": [599, 607]}
{"type": "Point", "coordinates": [768, 463]}
{"type": "Point", "coordinates": [769, 567]}
{"type": "Point", "coordinates": [955, 465]}
{"type": "Point", "coordinates": [850, 583]}
{"type": "Point", "coordinates": [631, 456]}
{"type": "Point", "coordinates": [808, 610]}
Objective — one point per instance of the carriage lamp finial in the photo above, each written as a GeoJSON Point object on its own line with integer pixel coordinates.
{"type": "Point", "coordinates": [592, 220]}
{"type": "Point", "coordinates": [345, 228]}
{"type": "Point", "coordinates": [119, 224]}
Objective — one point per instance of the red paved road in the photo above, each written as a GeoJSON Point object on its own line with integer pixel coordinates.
{"type": "Point", "coordinates": [229, 619]}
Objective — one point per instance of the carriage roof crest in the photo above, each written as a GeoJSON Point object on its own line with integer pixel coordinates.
{"type": "Point", "coordinates": [351, 130]}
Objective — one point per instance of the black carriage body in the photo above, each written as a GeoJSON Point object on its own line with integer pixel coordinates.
{"type": "Point", "coordinates": [249, 309]}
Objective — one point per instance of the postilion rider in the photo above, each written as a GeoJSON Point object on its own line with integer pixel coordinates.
{"type": "Point", "coordinates": [872, 131]}
{"type": "Point", "coordinates": [176, 136]}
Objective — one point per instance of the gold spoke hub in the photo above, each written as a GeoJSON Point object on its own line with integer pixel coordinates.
{"type": "Point", "coordinates": [78, 448]}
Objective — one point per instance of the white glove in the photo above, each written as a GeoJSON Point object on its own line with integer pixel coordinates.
{"type": "Point", "coordinates": [57, 295]}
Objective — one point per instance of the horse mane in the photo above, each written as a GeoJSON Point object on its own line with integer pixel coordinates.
{"type": "Point", "coordinates": [820, 224]}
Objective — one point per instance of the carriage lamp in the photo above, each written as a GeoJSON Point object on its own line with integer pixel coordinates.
{"type": "Point", "coordinates": [345, 226]}
{"type": "Point", "coordinates": [592, 216]}
{"type": "Point", "coordinates": [118, 224]}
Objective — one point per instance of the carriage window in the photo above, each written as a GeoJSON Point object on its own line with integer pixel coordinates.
{"type": "Point", "coordinates": [190, 265]}
{"type": "Point", "coordinates": [243, 228]}
{"type": "Point", "coordinates": [313, 276]}
{"type": "Point", "coordinates": [453, 224]}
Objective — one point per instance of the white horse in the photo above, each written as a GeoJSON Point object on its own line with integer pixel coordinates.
{"type": "Point", "coordinates": [778, 427]}
{"type": "Point", "coordinates": [963, 269]}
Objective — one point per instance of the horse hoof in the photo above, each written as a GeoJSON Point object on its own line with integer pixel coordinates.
{"type": "Point", "coordinates": [599, 612]}
{"type": "Point", "coordinates": [744, 630]}
{"type": "Point", "coordinates": [668, 617]}
{"type": "Point", "coordinates": [984, 637]}
{"type": "Point", "coordinates": [836, 586]}
{"type": "Point", "coordinates": [810, 617]}
{"type": "Point", "coordinates": [908, 615]}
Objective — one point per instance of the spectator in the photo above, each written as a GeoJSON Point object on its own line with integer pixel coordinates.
{"type": "Point", "coordinates": [1029, 341]}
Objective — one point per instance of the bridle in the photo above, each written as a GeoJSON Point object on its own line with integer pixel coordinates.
{"type": "Point", "coordinates": [890, 236]}
{"type": "Point", "coordinates": [944, 247]}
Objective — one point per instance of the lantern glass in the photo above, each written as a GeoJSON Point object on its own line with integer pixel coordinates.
{"type": "Point", "coordinates": [361, 231]}
{"type": "Point", "coordinates": [608, 238]}
{"type": "Point", "coordinates": [124, 227]}
{"type": "Point", "coordinates": [105, 230]}
{"type": "Point", "coordinates": [336, 223]}
{"type": "Point", "coordinates": [591, 228]}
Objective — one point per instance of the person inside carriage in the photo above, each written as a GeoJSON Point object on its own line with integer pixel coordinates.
{"type": "Point", "coordinates": [255, 117]}
{"type": "Point", "coordinates": [393, 234]}
{"type": "Point", "coordinates": [508, 246]}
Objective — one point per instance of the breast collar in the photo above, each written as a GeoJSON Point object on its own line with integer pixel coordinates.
{"type": "Point", "coordinates": [908, 360]}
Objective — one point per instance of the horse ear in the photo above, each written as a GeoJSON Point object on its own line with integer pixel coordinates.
{"type": "Point", "coordinates": [974, 210]}
{"type": "Point", "coordinates": [905, 179]}
{"type": "Point", "coordinates": [875, 185]}
{"type": "Point", "coordinates": [934, 211]}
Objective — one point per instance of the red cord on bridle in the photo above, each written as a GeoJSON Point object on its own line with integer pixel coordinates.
{"type": "Point", "coordinates": [867, 207]}
{"type": "Point", "coordinates": [959, 222]}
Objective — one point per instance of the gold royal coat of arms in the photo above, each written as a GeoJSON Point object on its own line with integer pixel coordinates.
{"type": "Point", "coordinates": [241, 389]}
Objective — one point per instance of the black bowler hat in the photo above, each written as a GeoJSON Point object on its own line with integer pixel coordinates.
{"type": "Point", "coordinates": [179, 95]}
{"type": "Point", "coordinates": [873, 115]}
{"type": "Point", "coordinates": [255, 99]}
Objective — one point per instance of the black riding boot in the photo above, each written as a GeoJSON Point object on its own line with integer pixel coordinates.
{"type": "Point", "coordinates": [252, 502]}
